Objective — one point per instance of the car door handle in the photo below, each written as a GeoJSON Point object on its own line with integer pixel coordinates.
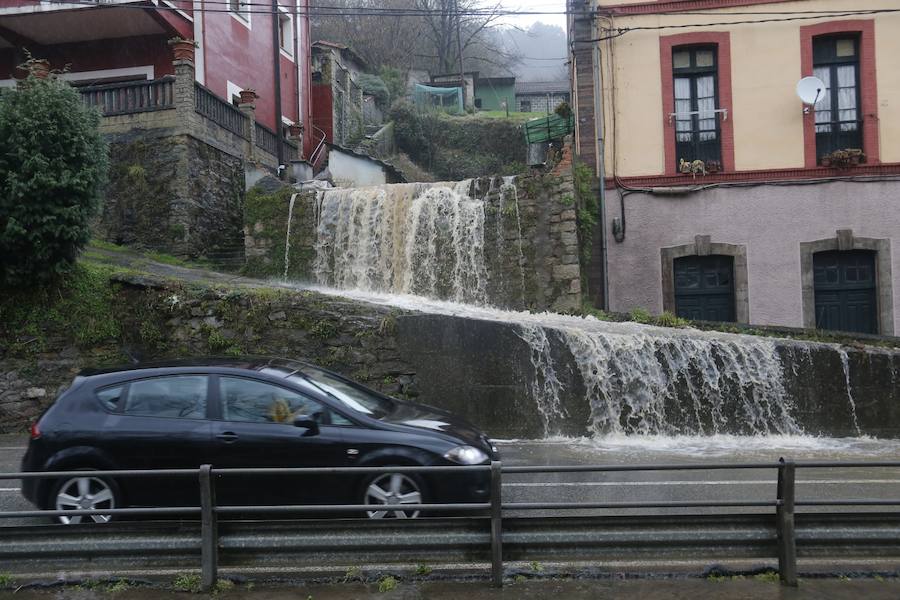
{"type": "Point", "coordinates": [228, 437]}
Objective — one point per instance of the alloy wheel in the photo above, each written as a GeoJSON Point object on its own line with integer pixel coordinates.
{"type": "Point", "coordinates": [85, 493]}
{"type": "Point", "coordinates": [393, 489]}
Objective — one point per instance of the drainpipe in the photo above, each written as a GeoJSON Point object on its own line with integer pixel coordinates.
{"type": "Point", "coordinates": [601, 155]}
{"type": "Point", "coordinates": [276, 46]}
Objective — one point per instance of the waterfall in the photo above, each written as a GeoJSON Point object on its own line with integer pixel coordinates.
{"type": "Point", "coordinates": [507, 187]}
{"type": "Point", "coordinates": [845, 365]}
{"type": "Point", "coordinates": [287, 239]}
{"type": "Point", "coordinates": [425, 239]}
{"type": "Point", "coordinates": [546, 388]}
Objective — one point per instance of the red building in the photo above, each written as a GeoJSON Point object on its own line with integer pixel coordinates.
{"type": "Point", "coordinates": [127, 40]}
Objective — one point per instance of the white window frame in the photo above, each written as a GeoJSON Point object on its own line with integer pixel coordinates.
{"type": "Point", "coordinates": [289, 51]}
{"type": "Point", "coordinates": [233, 90]}
{"type": "Point", "coordinates": [242, 16]}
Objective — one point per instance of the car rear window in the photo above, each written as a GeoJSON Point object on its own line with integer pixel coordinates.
{"type": "Point", "coordinates": [181, 396]}
{"type": "Point", "coordinates": [110, 397]}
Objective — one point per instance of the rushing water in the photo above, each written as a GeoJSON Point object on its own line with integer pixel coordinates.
{"type": "Point", "coordinates": [422, 247]}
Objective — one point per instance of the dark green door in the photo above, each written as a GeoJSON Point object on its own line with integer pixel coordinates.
{"type": "Point", "coordinates": [845, 291]}
{"type": "Point", "coordinates": [704, 287]}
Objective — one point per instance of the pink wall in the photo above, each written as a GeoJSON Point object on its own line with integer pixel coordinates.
{"type": "Point", "coordinates": [233, 52]}
{"type": "Point", "coordinates": [769, 220]}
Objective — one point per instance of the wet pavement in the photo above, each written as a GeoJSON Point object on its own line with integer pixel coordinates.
{"type": "Point", "coordinates": [614, 589]}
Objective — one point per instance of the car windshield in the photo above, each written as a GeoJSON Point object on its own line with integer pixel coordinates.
{"type": "Point", "coordinates": [356, 398]}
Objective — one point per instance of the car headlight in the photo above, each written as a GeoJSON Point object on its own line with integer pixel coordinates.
{"type": "Point", "coordinates": [467, 455]}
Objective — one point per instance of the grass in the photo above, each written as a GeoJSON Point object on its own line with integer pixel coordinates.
{"type": "Point", "coordinates": [386, 584]}
{"type": "Point", "coordinates": [513, 116]}
{"type": "Point", "coordinates": [6, 580]}
{"type": "Point", "coordinates": [187, 582]}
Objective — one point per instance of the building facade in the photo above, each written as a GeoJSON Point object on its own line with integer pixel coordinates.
{"type": "Point", "coordinates": [495, 93]}
{"type": "Point", "coordinates": [337, 96]}
{"type": "Point", "coordinates": [127, 40]}
{"type": "Point", "coordinates": [541, 96]}
{"type": "Point", "coordinates": [727, 197]}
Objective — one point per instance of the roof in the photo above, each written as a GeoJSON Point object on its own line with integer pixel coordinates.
{"type": "Point", "coordinates": [342, 48]}
{"type": "Point", "coordinates": [495, 81]}
{"type": "Point", "coordinates": [542, 87]}
{"type": "Point", "coordinates": [253, 363]}
{"type": "Point", "coordinates": [362, 155]}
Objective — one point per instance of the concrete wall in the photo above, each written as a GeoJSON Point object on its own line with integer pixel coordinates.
{"type": "Point", "coordinates": [771, 221]}
{"type": "Point", "coordinates": [354, 171]}
{"type": "Point", "coordinates": [765, 63]}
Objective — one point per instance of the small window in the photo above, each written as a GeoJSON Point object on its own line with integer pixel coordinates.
{"type": "Point", "coordinates": [525, 106]}
{"type": "Point", "coordinates": [110, 397]}
{"type": "Point", "coordinates": [182, 396]}
{"type": "Point", "coordinates": [286, 33]}
{"type": "Point", "coordinates": [252, 401]}
{"type": "Point", "coordinates": [239, 9]}
{"type": "Point", "coordinates": [477, 102]}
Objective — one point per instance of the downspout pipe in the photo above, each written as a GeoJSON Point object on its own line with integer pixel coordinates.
{"type": "Point", "coordinates": [276, 47]}
{"type": "Point", "coordinates": [601, 154]}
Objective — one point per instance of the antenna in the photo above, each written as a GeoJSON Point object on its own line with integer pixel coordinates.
{"type": "Point", "coordinates": [810, 90]}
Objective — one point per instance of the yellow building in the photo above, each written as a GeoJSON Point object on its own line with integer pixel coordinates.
{"type": "Point", "coordinates": [727, 197]}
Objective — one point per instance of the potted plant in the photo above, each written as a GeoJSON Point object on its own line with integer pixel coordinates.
{"type": "Point", "coordinates": [248, 96]}
{"type": "Point", "coordinates": [713, 166]}
{"type": "Point", "coordinates": [183, 49]}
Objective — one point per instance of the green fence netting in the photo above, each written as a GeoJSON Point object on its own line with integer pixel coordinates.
{"type": "Point", "coordinates": [551, 127]}
{"type": "Point", "coordinates": [447, 99]}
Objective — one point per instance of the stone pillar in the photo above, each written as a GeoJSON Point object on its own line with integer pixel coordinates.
{"type": "Point", "coordinates": [247, 105]}
{"type": "Point", "coordinates": [185, 93]}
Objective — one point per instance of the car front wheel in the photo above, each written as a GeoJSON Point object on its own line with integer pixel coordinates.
{"type": "Point", "coordinates": [85, 493]}
{"type": "Point", "coordinates": [391, 489]}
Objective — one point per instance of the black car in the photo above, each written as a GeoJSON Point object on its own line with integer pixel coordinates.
{"type": "Point", "coordinates": [257, 412]}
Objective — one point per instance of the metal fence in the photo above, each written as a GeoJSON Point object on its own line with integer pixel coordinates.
{"type": "Point", "coordinates": [266, 139]}
{"type": "Point", "coordinates": [771, 534]}
{"type": "Point", "coordinates": [221, 112]}
{"type": "Point", "coordinates": [131, 97]}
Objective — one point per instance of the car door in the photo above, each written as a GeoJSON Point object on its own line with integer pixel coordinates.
{"type": "Point", "coordinates": [162, 424]}
{"type": "Point", "coordinates": [255, 428]}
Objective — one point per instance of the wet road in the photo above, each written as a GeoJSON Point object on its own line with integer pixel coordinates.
{"type": "Point", "coordinates": [724, 485]}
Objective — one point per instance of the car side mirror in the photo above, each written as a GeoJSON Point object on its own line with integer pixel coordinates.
{"type": "Point", "coordinates": [308, 423]}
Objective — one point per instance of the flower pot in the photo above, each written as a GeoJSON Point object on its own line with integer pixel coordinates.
{"type": "Point", "coordinates": [826, 162]}
{"type": "Point", "coordinates": [39, 67]}
{"type": "Point", "coordinates": [248, 96]}
{"type": "Point", "coordinates": [183, 49]}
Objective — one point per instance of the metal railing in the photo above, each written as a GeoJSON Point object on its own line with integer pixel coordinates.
{"type": "Point", "coordinates": [131, 97]}
{"type": "Point", "coordinates": [318, 155]}
{"type": "Point", "coordinates": [221, 112]}
{"type": "Point", "coordinates": [784, 503]}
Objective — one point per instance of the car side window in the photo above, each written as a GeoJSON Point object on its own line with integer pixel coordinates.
{"type": "Point", "coordinates": [110, 397]}
{"type": "Point", "coordinates": [257, 402]}
{"type": "Point", "coordinates": [181, 396]}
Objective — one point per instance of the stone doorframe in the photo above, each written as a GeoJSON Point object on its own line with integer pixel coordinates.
{"type": "Point", "coordinates": [845, 240]}
{"type": "Point", "coordinates": [703, 247]}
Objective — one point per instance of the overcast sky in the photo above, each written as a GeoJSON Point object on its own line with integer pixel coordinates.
{"type": "Point", "coordinates": [524, 21]}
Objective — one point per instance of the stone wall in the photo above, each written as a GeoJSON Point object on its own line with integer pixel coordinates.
{"type": "Point", "coordinates": [484, 370]}
{"type": "Point", "coordinates": [175, 194]}
{"type": "Point", "coordinates": [530, 239]}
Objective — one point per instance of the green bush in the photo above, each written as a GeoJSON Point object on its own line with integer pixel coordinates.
{"type": "Point", "coordinates": [52, 171]}
{"type": "Point", "coordinates": [374, 85]}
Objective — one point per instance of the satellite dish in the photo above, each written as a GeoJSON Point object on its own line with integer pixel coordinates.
{"type": "Point", "coordinates": [811, 90]}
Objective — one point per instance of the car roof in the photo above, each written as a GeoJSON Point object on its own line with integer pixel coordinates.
{"type": "Point", "coordinates": [251, 363]}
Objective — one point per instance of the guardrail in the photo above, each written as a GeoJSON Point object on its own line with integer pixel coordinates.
{"type": "Point", "coordinates": [221, 112]}
{"type": "Point", "coordinates": [522, 531]}
{"type": "Point", "coordinates": [131, 97]}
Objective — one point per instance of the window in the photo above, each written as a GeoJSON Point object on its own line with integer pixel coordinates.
{"type": "Point", "coordinates": [525, 106]}
{"type": "Point", "coordinates": [695, 79]}
{"type": "Point", "coordinates": [257, 402]}
{"type": "Point", "coordinates": [704, 288]}
{"type": "Point", "coordinates": [838, 123]}
{"type": "Point", "coordinates": [477, 102]}
{"type": "Point", "coordinates": [180, 396]}
{"type": "Point", "coordinates": [110, 397]}
{"type": "Point", "coordinates": [353, 396]}
{"type": "Point", "coordinates": [286, 33]}
{"type": "Point", "coordinates": [239, 9]}
{"type": "Point", "coordinates": [845, 290]}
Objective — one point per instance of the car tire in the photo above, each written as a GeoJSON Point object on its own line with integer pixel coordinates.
{"type": "Point", "coordinates": [393, 488]}
{"type": "Point", "coordinates": [85, 493]}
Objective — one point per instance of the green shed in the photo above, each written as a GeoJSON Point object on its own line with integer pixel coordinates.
{"type": "Point", "coordinates": [492, 92]}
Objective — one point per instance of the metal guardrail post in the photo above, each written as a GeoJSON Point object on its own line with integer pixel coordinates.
{"type": "Point", "coordinates": [496, 524]}
{"type": "Point", "coordinates": [787, 543]}
{"type": "Point", "coordinates": [209, 531]}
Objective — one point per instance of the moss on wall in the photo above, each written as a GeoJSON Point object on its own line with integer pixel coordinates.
{"type": "Point", "coordinates": [265, 233]}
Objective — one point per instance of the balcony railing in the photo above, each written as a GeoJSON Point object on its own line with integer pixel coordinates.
{"type": "Point", "coordinates": [266, 139]}
{"type": "Point", "coordinates": [221, 112]}
{"type": "Point", "coordinates": [131, 97]}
